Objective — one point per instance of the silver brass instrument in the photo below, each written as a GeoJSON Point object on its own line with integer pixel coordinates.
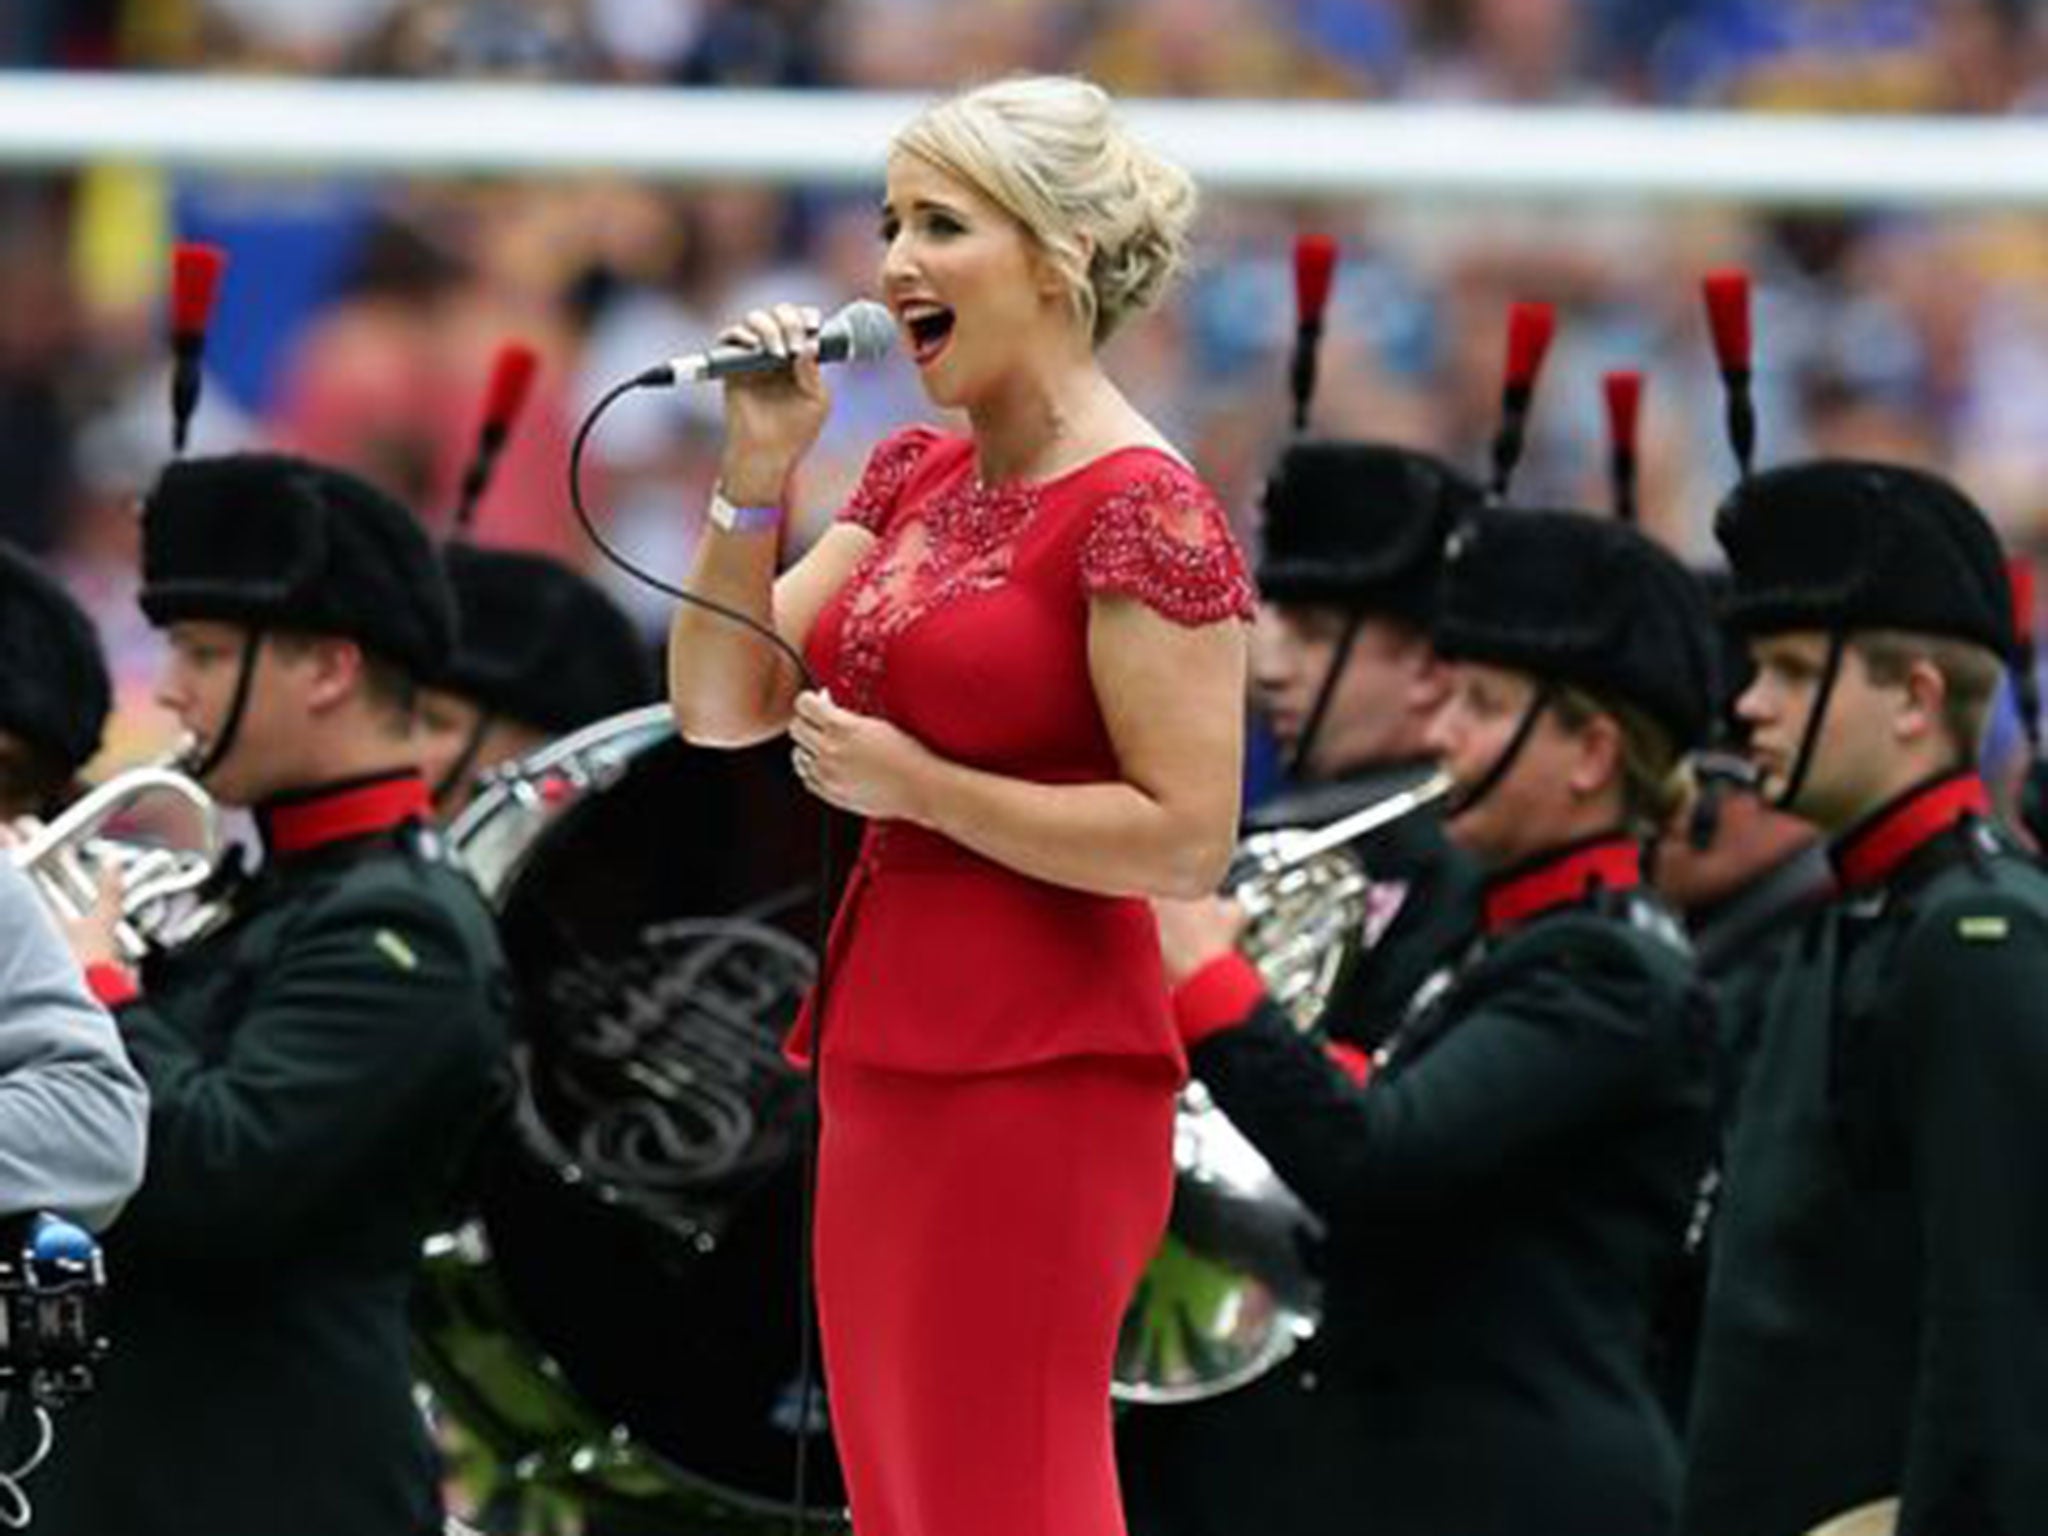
{"type": "Point", "coordinates": [1230, 1294]}
{"type": "Point", "coordinates": [1304, 892]}
{"type": "Point", "coordinates": [67, 857]}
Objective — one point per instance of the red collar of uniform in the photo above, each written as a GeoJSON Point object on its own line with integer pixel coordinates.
{"type": "Point", "coordinates": [1868, 853]}
{"type": "Point", "coordinates": [336, 813]}
{"type": "Point", "coordinates": [1608, 863]}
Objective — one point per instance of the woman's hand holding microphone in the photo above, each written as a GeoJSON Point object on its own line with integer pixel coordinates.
{"type": "Point", "coordinates": [772, 419]}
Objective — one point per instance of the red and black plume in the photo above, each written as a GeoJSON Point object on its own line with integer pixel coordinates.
{"type": "Point", "coordinates": [1530, 329]}
{"type": "Point", "coordinates": [195, 285]}
{"type": "Point", "coordinates": [1315, 268]}
{"type": "Point", "coordinates": [1728, 317]}
{"type": "Point", "coordinates": [1623, 389]}
{"type": "Point", "coordinates": [512, 373]}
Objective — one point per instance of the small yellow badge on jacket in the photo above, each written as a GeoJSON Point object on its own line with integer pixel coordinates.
{"type": "Point", "coordinates": [397, 949]}
{"type": "Point", "coordinates": [1982, 930]}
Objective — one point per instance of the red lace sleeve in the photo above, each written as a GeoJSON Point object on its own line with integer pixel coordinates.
{"type": "Point", "coordinates": [1162, 539]}
{"type": "Point", "coordinates": [874, 500]}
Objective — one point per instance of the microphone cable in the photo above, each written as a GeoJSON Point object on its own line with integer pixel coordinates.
{"type": "Point", "coordinates": [828, 861]}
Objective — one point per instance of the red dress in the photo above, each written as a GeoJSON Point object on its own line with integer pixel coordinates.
{"type": "Point", "coordinates": [998, 1062]}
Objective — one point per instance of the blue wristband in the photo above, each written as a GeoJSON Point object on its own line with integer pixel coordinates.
{"type": "Point", "coordinates": [732, 519]}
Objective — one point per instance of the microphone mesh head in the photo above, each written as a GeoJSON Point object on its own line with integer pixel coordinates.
{"type": "Point", "coordinates": [870, 330]}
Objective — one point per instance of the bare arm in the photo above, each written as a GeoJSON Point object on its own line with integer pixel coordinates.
{"type": "Point", "coordinates": [1173, 699]}
{"type": "Point", "coordinates": [728, 687]}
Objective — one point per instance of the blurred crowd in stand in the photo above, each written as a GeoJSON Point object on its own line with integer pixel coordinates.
{"type": "Point", "coordinates": [359, 317]}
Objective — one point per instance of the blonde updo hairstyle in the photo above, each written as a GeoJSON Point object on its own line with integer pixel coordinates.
{"type": "Point", "coordinates": [1110, 216]}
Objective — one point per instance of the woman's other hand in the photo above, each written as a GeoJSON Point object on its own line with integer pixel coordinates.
{"type": "Point", "coordinates": [857, 762]}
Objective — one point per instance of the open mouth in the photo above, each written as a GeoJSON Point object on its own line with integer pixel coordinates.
{"type": "Point", "coordinates": [930, 327]}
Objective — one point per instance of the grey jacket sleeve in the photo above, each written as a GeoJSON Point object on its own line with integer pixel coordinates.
{"type": "Point", "coordinates": [73, 1111]}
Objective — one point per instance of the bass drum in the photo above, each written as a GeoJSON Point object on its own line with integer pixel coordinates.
{"type": "Point", "coordinates": [618, 1323]}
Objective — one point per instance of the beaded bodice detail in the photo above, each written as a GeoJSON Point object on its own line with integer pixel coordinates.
{"type": "Point", "coordinates": [969, 625]}
{"type": "Point", "coordinates": [1156, 535]}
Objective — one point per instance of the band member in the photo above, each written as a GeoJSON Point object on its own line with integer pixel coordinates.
{"type": "Point", "coordinates": [1030, 648]}
{"type": "Point", "coordinates": [318, 1062]}
{"type": "Point", "coordinates": [1874, 1307]}
{"type": "Point", "coordinates": [1503, 1189]}
{"type": "Point", "coordinates": [1343, 666]}
{"type": "Point", "coordinates": [54, 690]}
{"type": "Point", "coordinates": [1743, 875]}
{"type": "Point", "coordinates": [540, 651]}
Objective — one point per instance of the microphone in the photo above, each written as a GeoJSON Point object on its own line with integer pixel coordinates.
{"type": "Point", "coordinates": [859, 333]}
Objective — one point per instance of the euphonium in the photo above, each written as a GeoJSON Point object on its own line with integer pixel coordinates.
{"type": "Point", "coordinates": [68, 857]}
{"type": "Point", "coordinates": [1304, 895]}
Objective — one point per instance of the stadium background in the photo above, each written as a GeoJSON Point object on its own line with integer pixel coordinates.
{"type": "Point", "coordinates": [360, 314]}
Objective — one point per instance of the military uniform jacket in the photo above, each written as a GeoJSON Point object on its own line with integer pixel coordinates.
{"type": "Point", "coordinates": [1501, 1199]}
{"type": "Point", "coordinates": [1206, 1469]}
{"type": "Point", "coordinates": [318, 1066]}
{"type": "Point", "coordinates": [1739, 945]}
{"type": "Point", "coordinates": [1877, 1314]}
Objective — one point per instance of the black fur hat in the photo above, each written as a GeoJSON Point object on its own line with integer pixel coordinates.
{"type": "Point", "coordinates": [1361, 524]}
{"type": "Point", "coordinates": [1584, 600]}
{"type": "Point", "coordinates": [1838, 544]}
{"type": "Point", "coordinates": [540, 643]}
{"type": "Point", "coordinates": [283, 542]}
{"type": "Point", "coordinates": [54, 691]}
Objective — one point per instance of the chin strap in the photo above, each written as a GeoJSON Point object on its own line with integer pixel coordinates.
{"type": "Point", "coordinates": [1809, 735]}
{"type": "Point", "coordinates": [1465, 799]}
{"type": "Point", "coordinates": [465, 760]}
{"type": "Point", "coordinates": [1326, 694]}
{"type": "Point", "coordinates": [231, 727]}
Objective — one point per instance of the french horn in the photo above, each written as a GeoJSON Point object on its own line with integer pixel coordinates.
{"type": "Point", "coordinates": [1303, 891]}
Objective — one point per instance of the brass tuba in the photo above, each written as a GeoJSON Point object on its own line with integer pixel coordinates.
{"type": "Point", "coordinates": [68, 857]}
{"type": "Point", "coordinates": [1230, 1294]}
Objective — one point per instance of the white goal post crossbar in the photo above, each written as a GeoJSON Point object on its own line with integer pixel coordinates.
{"type": "Point", "coordinates": [825, 138]}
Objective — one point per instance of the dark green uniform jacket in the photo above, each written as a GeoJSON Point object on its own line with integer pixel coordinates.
{"type": "Point", "coordinates": [1501, 1200]}
{"type": "Point", "coordinates": [1204, 1469]}
{"type": "Point", "coordinates": [1877, 1314]}
{"type": "Point", "coordinates": [318, 1067]}
{"type": "Point", "coordinates": [1740, 944]}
